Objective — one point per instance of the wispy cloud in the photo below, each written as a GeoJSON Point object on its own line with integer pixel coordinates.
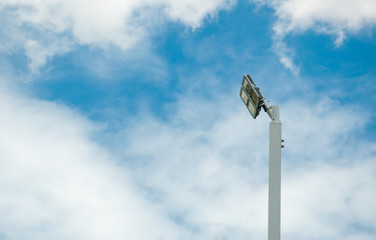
{"type": "Point", "coordinates": [334, 17]}
{"type": "Point", "coordinates": [213, 176]}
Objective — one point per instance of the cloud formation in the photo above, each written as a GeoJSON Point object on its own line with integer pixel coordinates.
{"type": "Point", "coordinates": [64, 24]}
{"type": "Point", "coordinates": [124, 24]}
{"type": "Point", "coordinates": [199, 174]}
{"type": "Point", "coordinates": [57, 183]}
{"type": "Point", "coordinates": [334, 17]}
{"type": "Point", "coordinates": [214, 176]}
{"type": "Point", "coordinates": [331, 17]}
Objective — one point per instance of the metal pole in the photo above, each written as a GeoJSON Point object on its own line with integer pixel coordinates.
{"type": "Point", "coordinates": [274, 211]}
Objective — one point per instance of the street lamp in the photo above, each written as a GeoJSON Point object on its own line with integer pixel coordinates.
{"type": "Point", "coordinates": [251, 96]}
{"type": "Point", "coordinates": [253, 100]}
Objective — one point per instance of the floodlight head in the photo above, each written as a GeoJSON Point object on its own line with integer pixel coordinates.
{"type": "Point", "coordinates": [251, 96]}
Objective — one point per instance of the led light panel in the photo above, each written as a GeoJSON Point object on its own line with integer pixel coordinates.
{"type": "Point", "coordinates": [250, 95]}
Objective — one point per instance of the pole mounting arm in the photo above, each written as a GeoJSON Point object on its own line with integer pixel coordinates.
{"type": "Point", "coordinates": [272, 111]}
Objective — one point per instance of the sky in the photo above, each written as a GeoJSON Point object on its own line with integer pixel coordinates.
{"type": "Point", "coordinates": [122, 119]}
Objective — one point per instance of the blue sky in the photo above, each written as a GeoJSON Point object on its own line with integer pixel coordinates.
{"type": "Point", "coordinates": [122, 119]}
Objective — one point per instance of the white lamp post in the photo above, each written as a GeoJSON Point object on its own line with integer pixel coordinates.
{"type": "Point", "coordinates": [253, 99]}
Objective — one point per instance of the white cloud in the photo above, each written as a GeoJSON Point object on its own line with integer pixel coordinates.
{"type": "Point", "coordinates": [330, 201]}
{"type": "Point", "coordinates": [94, 23]}
{"type": "Point", "coordinates": [57, 183]}
{"type": "Point", "coordinates": [334, 17]}
{"type": "Point", "coordinates": [201, 174]}
{"type": "Point", "coordinates": [39, 54]}
{"type": "Point", "coordinates": [327, 16]}
{"type": "Point", "coordinates": [192, 12]}
{"type": "Point", "coordinates": [209, 166]}
{"type": "Point", "coordinates": [285, 55]}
